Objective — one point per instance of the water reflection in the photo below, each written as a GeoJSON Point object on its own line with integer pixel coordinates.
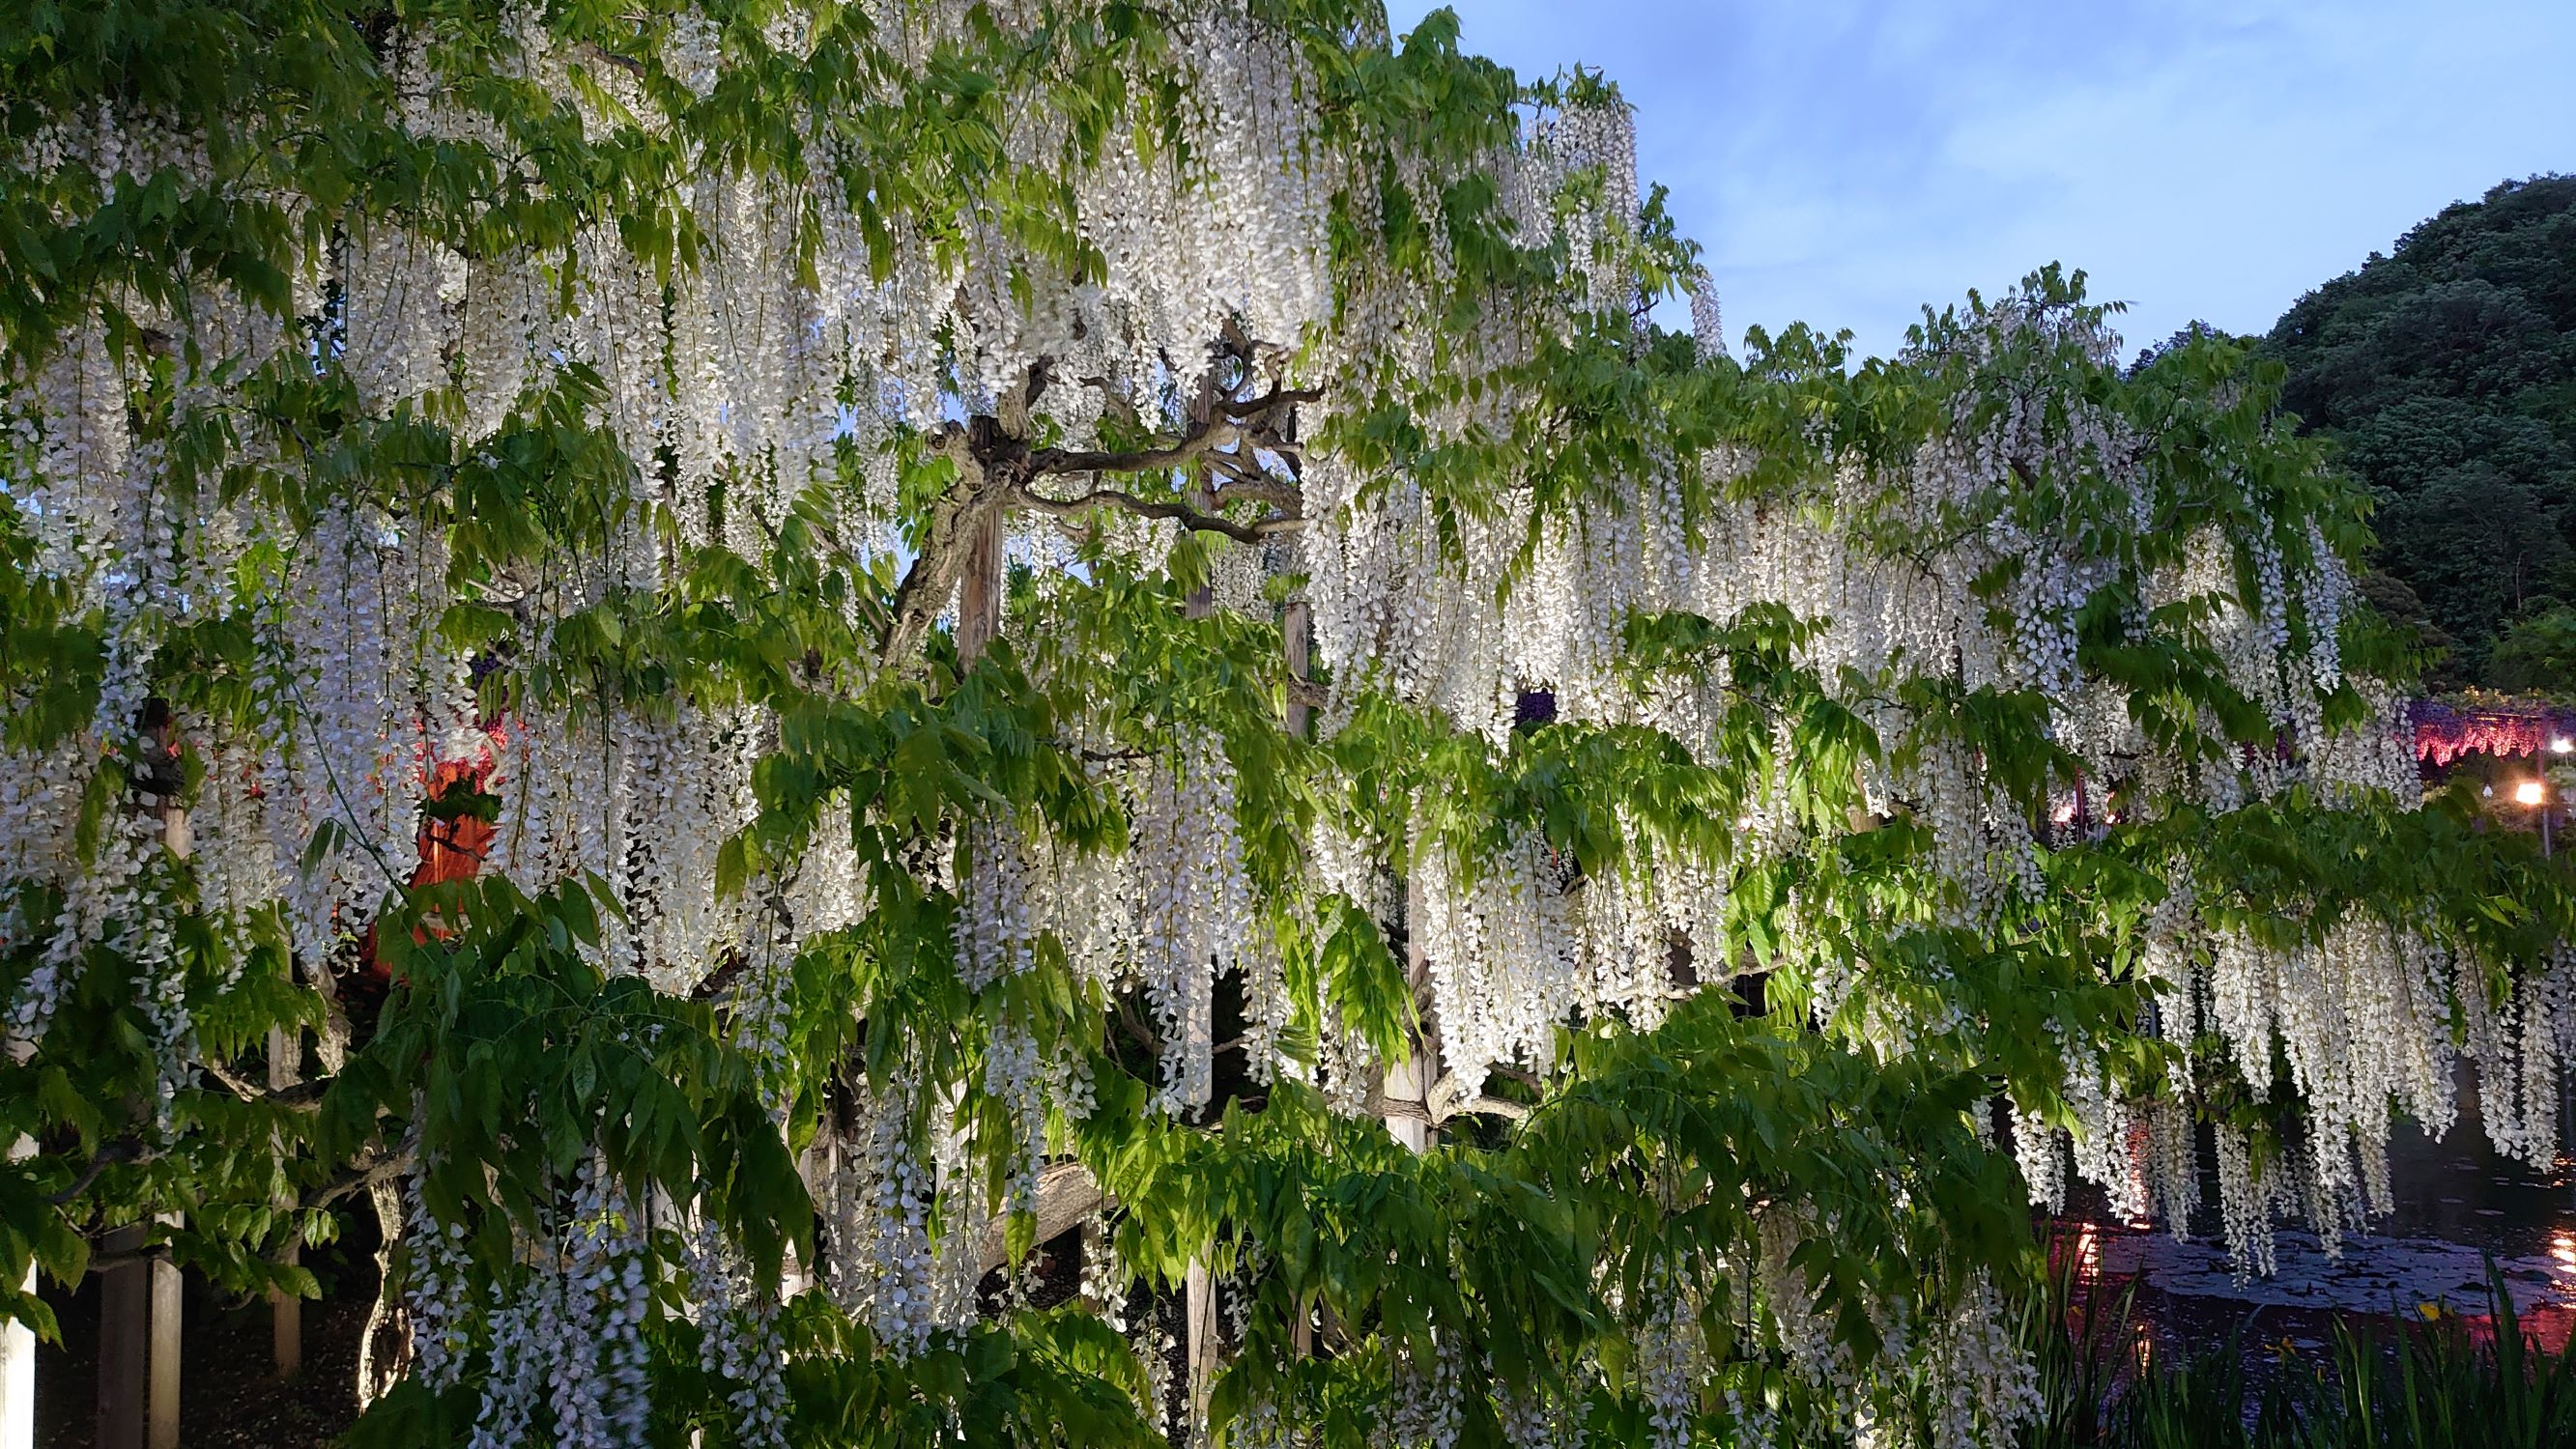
{"type": "Point", "coordinates": [2457, 1203]}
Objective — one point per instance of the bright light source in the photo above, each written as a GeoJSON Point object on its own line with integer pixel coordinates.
{"type": "Point", "coordinates": [2530, 792]}
{"type": "Point", "coordinates": [2561, 745]}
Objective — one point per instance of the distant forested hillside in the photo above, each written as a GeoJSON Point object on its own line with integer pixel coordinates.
{"type": "Point", "coordinates": [2448, 370]}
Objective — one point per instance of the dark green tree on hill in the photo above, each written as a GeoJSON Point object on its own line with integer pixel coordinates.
{"type": "Point", "coordinates": [2448, 371]}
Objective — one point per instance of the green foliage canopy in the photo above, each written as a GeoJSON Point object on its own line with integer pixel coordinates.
{"type": "Point", "coordinates": [885, 628]}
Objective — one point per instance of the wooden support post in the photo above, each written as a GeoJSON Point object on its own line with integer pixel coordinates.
{"type": "Point", "coordinates": [286, 1326]}
{"type": "Point", "coordinates": [1200, 1307]}
{"type": "Point", "coordinates": [18, 1359]}
{"type": "Point", "coordinates": [161, 1429]}
{"type": "Point", "coordinates": [285, 1310]}
{"type": "Point", "coordinates": [1410, 1079]}
{"type": "Point", "coordinates": [124, 1343]}
{"type": "Point", "coordinates": [18, 1381]}
{"type": "Point", "coordinates": [138, 1299]}
{"type": "Point", "coordinates": [138, 1346]}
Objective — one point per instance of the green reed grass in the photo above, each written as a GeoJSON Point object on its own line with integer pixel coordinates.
{"type": "Point", "coordinates": [2389, 1384]}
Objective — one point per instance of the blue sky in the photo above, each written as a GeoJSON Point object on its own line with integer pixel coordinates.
{"type": "Point", "coordinates": [1846, 161]}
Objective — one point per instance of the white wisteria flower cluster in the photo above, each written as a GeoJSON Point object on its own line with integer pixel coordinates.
{"type": "Point", "coordinates": [1046, 584]}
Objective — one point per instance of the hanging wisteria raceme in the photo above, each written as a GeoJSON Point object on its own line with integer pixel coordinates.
{"type": "Point", "coordinates": [1193, 921]}
{"type": "Point", "coordinates": [831, 647]}
{"type": "Point", "coordinates": [739, 1340]}
{"type": "Point", "coordinates": [566, 1351]}
{"type": "Point", "coordinates": [891, 1262]}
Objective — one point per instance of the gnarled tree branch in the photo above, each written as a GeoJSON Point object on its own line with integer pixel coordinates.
{"type": "Point", "coordinates": [364, 1173]}
{"type": "Point", "coordinates": [1181, 513]}
{"type": "Point", "coordinates": [123, 1149]}
{"type": "Point", "coordinates": [303, 1096]}
{"type": "Point", "coordinates": [997, 468]}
